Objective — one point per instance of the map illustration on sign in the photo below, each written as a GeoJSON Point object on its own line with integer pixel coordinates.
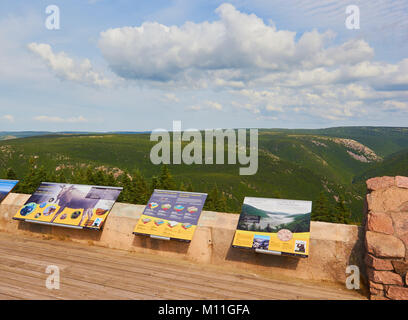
{"type": "Point", "coordinates": [171, 214]}
{"type": "Point", "coordinates": [5, 187]}
{"type": "Point", "coordinates": [69, 205]}
{"type": "Point", "coordinates": [277, 225]}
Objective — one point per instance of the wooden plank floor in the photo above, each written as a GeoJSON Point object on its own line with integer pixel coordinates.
{"type": "Point", "coordinates": [89, 272]}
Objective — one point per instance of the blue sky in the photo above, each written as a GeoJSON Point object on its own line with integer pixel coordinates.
{"type": "Point", "coordinates": [139, 65]}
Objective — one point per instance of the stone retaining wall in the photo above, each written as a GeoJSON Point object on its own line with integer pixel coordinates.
{"type": "Point", "coordinates": [387, 237]}
{"type": "Point", "coordinates": [333, 246]}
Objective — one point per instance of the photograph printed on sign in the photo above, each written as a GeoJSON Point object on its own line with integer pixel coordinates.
{"type": "Point", "coordinates": [69, 204]}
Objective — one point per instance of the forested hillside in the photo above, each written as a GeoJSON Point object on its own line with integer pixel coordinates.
{"type": "Point", "coordinates": [327, 166]}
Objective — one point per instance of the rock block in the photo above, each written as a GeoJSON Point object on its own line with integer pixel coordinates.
{"type": "Point", "coordinates": [400, 220]}
{"type": "Point", "coordinates": [377, 286]}
{"type": "Point", "coordinates": [384, 246]}
{"type": "Point", "coordinates": [401, 182]}
{"type": "Point", "coordinates": [384, 277]}
{"type": "Point", "coordinates": [386, 200]}
{"type": "Point", "coordinates": [380, 183]}
{"type": "Point", "coordinates": [397, 293]}
{"type": "Point", "coordinates": [380, 222]}
{"type": "Point", "coordinates": [400, 267]}
{"type": "Point", "coordinates": [378, 264]}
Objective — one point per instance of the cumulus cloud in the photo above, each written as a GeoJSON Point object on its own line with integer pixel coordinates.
{"type": "Point", "coordinates": [8, 117]}
{"type": "Point", "coordinates": [236, 41]}
{"type": "Point", "coordinates": [67, 68]}
{"type": "Point", "coordinates": [56, 119]}
{"type": "Point", "coordinates": [171, 97]}
{"type": "Point", "coordinates": [263, 70]}
{"type": "Point", "coordinates": [207, 105]}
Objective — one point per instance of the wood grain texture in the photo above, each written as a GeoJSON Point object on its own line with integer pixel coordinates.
{"type": "Point", "coordinates": [89, 272]}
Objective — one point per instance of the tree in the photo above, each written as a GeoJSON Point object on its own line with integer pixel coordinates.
{"type": "Point", "coordinates": [221, 204]}
{"type": "Point", "coordinates": [155, 184]}
{"type": "Point", "coordinates": [33, 179]}
{"type": "Point", "coordinates": [11, 174]}
{"type": "Point", "coordinates": [128, 194]}
{"type": "Point", "coordinates": [166, 179]}
{"type": "Point", "coordinates": [212, 199]}
{"type": "Point", "coordinates": [140, 188]}
{"type": "Point", "coordinates": [321, 210]}
{"type": "Point", "coordinates": [343, 213]}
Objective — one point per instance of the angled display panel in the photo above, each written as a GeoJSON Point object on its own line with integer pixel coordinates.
{"type": "Point", "coordinates": [275, 226]}
{"type": "Point", "coordinates": [171, 214]}
{"type": "Point", "coordinates": [5, 187]}
{"type": "Point", "coordinates": [69, 205]}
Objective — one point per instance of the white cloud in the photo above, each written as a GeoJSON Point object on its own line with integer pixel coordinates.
{"type": "Point", "coordinates": [8, 117]}
{"type": "Point", "coordinates": [259, 68]}
{"type": "Point", "coordinates": [207, 105]}
{"type": "Point", "coordinates": [214, 105]}
{"type": "Point", "coordinates": [66, 68]}
{"type": "Point", "coordinates": [236, 41]}
{"type": "Point", "coordinates": [55, 119]}
{"type": "Point", "coordinates": [171, 97]}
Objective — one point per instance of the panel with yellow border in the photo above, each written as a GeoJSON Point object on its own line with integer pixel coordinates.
{"type": "Point", "coordinates": [245, 239]}
{"type": "Point", "coordinates": [164, 228]}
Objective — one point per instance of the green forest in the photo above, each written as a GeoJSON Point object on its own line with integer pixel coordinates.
{"type": "Point", "coordinates": [136, 188]}
{"type": "Point", "coordinates": [327, 166]}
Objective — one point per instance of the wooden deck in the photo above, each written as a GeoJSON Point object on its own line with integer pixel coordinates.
{"type": "Point", "coordinates": [89, 272]}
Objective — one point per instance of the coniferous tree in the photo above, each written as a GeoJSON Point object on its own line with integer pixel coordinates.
{"type": "Point", "coordinates": [343, 213]}
{"type": "Point", "coordinates": [221, 204]}
{"type": "Point", "coordinates": [34, 177]}
{"type": "Point", "coordinates": [166, 179]}
{"type": "Point", "coordinates": [189, 187]}
{"type": "Point", "coordinates": [11, 174]}
{"type": "Point", "coordinates": [212, 199]}
{"type": "Point", "coordinates": [155, 184]}
{"type": "Point", "coordinates": [60, 178]}
{"type": "Point", "coordinates": [140, 188]}
{"type": "Point", "coordinates": [321, 210]}
{"type": "Point", "coordinates": [127, 195]}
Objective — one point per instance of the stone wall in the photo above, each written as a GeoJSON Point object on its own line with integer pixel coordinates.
{"type": "Point", "coordinates": [387, 237]}
{"type": "Point", "coordinates": [333, 246]}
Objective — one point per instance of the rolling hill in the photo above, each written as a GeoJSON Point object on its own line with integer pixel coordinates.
{"type": "Point", "coordinates": [294, 164]}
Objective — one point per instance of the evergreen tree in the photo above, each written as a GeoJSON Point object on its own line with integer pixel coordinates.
{"type": "Point", "coordinates": [343, 213]}
{"type": "Point", "coordinates": [140, 188]}
{"type": "Point", "coordinates": [321, 210]}
{"type": "Point", "coordinates": [11, 174]}
{"type": "Point", "coordinates": [189, 187]}
{"type": "Point", "coordinates": [33, 179]}
{"type": "Point", "coordinates": [155, 184]}
{"type": "Point", "coordinates": [127, 195]}
{"type": "Point", "coordinates": [212, 199]}
{"type": "Point", "coordinates": [60, 178]}
{"type": "Point", "coordinates": [182, 187]}
{"type": "Point", "coordinates": [221, 204]}
{"type": "Point", "coordinates": [166, 179]}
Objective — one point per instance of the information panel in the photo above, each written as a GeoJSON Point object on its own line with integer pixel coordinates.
{"type": "Point", "coordinates": [5, 187]}
{"type": "Point", "coordinates": [69, 205]}
{"type": "Point", "coordinates": [171, 214]}
{"type": "Point", "coordinates": [274, 225]}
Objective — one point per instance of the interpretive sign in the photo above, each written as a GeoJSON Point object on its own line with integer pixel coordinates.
{"type": "Point", "coordinates": [69, 205]}
{"type": "Point", "coordinates": [171, 214]}
{"type": "Point", "coordinates": [5, 187]}
{"type": "Point", "coordinates": [276, 226]}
